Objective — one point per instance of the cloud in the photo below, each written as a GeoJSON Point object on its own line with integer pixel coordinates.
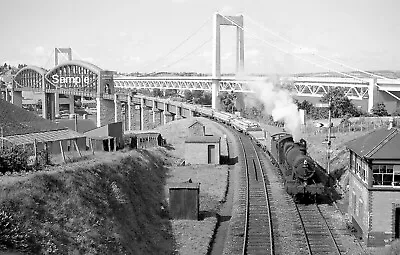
{"type": "Point", "coordinates": [305, 51]}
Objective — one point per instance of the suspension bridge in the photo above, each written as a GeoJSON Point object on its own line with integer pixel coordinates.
{"type": "Point", "coordinates": [113, 92]}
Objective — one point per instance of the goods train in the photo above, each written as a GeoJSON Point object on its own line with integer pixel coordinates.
{"type": "Point", "coordinates": [303, 177]}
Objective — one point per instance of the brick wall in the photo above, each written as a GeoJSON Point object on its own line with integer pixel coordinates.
{"type": "Point", "coordinates": [147, 118]}
{"type": "Point", "coordinates": [197, 153]}
{"type": "Point", "coordinates": [118, 106]}
{"type": "Point", "coordinates": [359, 204]}
{"type": "Point", "coordinates": [383, 205]}
{"type": "Point", "coordinates": [106, 111]}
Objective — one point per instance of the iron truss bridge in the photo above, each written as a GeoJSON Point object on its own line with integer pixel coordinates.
{"type": "Point", "coordinates": [354, 88]}
{"type": "Point", "coordinates": [181, 83]}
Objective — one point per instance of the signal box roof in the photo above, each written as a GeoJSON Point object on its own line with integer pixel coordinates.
{"type": "Point", "coordinates": [382, 143]}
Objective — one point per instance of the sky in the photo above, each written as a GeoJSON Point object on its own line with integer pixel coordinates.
{"type": "Point", "coordinates": [141, 35]}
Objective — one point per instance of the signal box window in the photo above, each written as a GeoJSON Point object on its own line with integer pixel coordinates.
{"type": "Point", "coordinates": [385, 175]}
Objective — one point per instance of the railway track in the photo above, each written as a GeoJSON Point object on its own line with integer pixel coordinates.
{"type": "Point", "coordinates": [258, 235]}
{"type": "Point", "coordinates": [319, 236]}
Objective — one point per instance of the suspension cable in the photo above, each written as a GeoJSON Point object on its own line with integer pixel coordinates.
{"type": "Point", "coordinates": [49, 56]}
{"type": "Point", "coordinates": [179, 45]}
{"type": "Point", "coordinates": [182, 58]}
{"type": "Point", "coordinates": [312, 53]}
{"type": "Point", "coordinates": [287, 52]}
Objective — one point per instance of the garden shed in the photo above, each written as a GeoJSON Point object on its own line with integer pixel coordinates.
{"type": "Point", "coordinates": [184, 200]}
{"type": "Point", "coordinates": [202, 150]}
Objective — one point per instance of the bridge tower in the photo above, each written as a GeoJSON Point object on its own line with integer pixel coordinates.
{"type": "Point", "coordinates": [219, 21]}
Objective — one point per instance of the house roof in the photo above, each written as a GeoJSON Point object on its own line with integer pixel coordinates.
{"type": "Point", "coordinates": [196, 122]}
{"type": "Point", "coordinates": [17, 121]}
{"type": "Point", "coordinates": [380, 144]}
{"type": "Point", "coordinates": [203, 139]}
{"type": "Point", "coordinates": [142, 133]}
{"type": "Point", "coordinates": [49, 136]}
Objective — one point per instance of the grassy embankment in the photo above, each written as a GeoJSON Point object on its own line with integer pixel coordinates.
{"type": "Point", "coordinates": [101, 206]}
{"type": "Point", "coordinates": [111, 204]}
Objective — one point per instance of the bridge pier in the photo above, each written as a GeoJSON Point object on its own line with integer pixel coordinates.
{"type": "Point", "coordinates": [71, 104]}
{"type": "Point", "coordinates": [142, 108]}
{"type": "Point", "coordinates": [372, 94]}
{"type": "Point", "coordinates": [165, 113]}
{"type": "Point", "coordinates": [48, 106]}
{"type": "Point", "coordinates": [7, 95]}
{"type": "Point", "coordinates": [57, 104]}
{"type": "Point", "coordinates": [16, 98]}
{"type": "Point", "coordinates": [155, 112]}
{"type": "Point", "coordinates": [105, 111]}
{"type": "Point", "coordinates": [136, 117]}
{"type": "Point", "coordinates": [178, 113]}
{"type": "Point", "coordinates": [117, 109]}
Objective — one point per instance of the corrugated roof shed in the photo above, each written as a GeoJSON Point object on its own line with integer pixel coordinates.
{"type": "Point", "coordinates": [49, 136]}
{"type": "Point", "coordinates": [380, 144]}
{"type": "Point", "coordinates": [17, 121]}
{"type": "Point", "coordinates": [203, 139]}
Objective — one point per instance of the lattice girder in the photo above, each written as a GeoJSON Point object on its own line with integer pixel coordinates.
{"type": "Point", "coordinates": [181, 84]}
{"type": "Point", "coordinates": [352, 91]}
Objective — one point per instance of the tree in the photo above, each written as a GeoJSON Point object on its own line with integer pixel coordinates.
{"type": "Point", "coordinates": [171, 92]}
{"type": "Point", "coordinates": [304, 105]}
{"type": "Point", "coordinates": [228, 102]}
{"type": "Point", "coordinates": [379, 109]}
{"type": "Point", "coordinates": [341, 104]}
{"type": "Point", "coordinates": [157, 93]}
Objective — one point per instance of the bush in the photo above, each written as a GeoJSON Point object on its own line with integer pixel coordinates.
{"type": "Point", "coordinates": [13, 236]}
{"type": "Point", "coordinates": [13, 159]}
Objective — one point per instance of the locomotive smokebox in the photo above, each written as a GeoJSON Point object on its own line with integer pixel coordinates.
{"type": "Point", "coordinates": [300, 163]}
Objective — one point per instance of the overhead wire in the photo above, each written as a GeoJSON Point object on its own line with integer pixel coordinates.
{"type": "Point", "coordinates": [263, 27]}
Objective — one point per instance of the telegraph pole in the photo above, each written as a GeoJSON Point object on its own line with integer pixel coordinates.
{"type": "Point", "coordinates": [329, 136]}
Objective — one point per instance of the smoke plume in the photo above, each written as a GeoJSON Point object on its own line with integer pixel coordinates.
{"type": "Point", "coordinates": [279, 103]}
